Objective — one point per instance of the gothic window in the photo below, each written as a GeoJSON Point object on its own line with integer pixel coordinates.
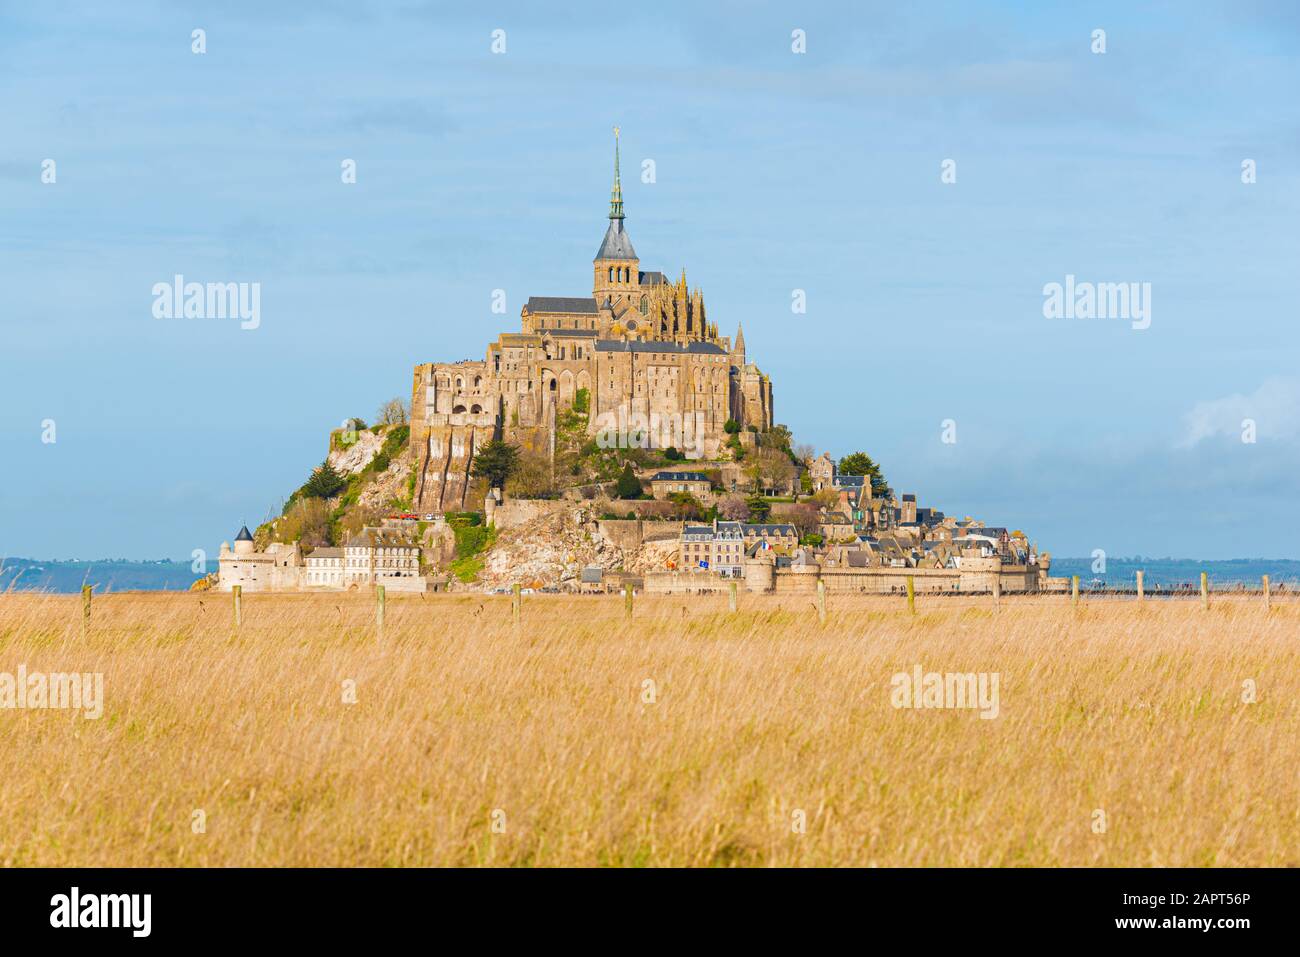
{"type": "Point", "coordinates": [645, 305]}
{"type": "Point", "coordinates": [611, 273]}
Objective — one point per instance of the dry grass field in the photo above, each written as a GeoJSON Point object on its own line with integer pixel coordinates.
{"type": "Point", "coordinates": [471, 743]}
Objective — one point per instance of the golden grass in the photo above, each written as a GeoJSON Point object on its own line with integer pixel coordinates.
{"type": "Point", "coordinates": [1136, 711]}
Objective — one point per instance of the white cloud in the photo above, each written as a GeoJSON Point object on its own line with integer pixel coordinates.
{"type": "Point", "coordinates": [1274, 406]}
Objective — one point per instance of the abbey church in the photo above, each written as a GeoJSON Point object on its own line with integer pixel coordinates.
{"type": "Point", "coordinates": [638, 345]}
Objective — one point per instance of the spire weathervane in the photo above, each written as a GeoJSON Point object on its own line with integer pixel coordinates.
{"type": "Point", "coordinates": [616, 194]}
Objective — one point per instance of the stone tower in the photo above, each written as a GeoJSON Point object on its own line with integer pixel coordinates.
{"type": "Point", "coordinates": [616, 267]}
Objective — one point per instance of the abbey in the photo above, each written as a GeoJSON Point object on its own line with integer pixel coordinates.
{"type": "Point", "coordinates": [639, 345]}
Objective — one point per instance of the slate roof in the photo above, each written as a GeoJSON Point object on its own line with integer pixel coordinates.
{"type": "Point", "coordinates": [769, 528]}
{"type": "Point", "coordinates": [325, 553]}
{"type": "Point", "coordinates": [580, 304]}
{"type": "Point", "coordinates": [693, 348]}
{"type": "Point", "coordinates": [376, 537]}
{"type": "Point", "coordinates": [243, 535]}
{"type": "Point", "coordinates": [616, 244]}
{"type": "Point", "coordinates": [655, 278]}
{"type": "Point", "coordinates": [680, 477]}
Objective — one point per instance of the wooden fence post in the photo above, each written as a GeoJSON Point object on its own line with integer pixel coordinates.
{"type": "Point", "coordinates": [1074, 591]}
{"type": "Point", "coordinates": [1142, 592]}
{"type": "Point", "coordinates": [1205, 591]}
{"type": "Point", "coordinates": [236, 592]}
{"type": "Point", "coordinates": [731, 594]}
{"type": "Point", "coordinates": [911, 594]}
{"type": "Point", "coordinates": [821, 602]}
{"type": "Point", "coordinates": [1267, 597]}
{"type": "Point", "coordinates": [85, 610]}
{"type": "Point", "coordinates": [627, 600]}
{"type": "Point", "coordinates": [997, 591]}
{"type": "Point", "coordinates": [379, 609]}
{"type": "Point", "coordinates": [515, 602]}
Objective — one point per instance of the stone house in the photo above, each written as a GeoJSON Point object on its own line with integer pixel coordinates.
{"type": "Point", "coordinates": [719, 548]}
{"type": "Point", "coordinates": [664, 484]}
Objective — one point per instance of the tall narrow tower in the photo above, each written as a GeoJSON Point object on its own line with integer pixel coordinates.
{"type": "Point", "coordinates": [616, 265]}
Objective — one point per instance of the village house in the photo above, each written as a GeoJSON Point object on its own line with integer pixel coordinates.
{"type": "Point", "coordinates": [378, 555]}
{"type": "Point", "coordinates": [664, 484]}
{"type": "Point", "coordinates": [719, 547]}
{"type": "Point", "coordinates": [771, 535]}
{"type": "Point", "coordinates": [324, 568]}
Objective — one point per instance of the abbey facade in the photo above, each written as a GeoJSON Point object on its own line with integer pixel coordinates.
{"type": "Point", "coordinates": [640, 349]}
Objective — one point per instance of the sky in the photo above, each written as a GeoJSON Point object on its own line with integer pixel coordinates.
{"type": "Point", "coordinates": [924, 342]}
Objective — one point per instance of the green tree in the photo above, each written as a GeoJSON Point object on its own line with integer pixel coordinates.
{"type": "Point", "coordinates": [731, 427]}
{"type": "Point", "coordinates": [324, 482]}
{"type": "Point", "coordinates": [687, 505]}
{"type": "Point", "coordinates": [759, 508]}
{"type": "Point", "coordinates": [860, 463]}
{"type": "Point", "coordinates": [496, 462]}
{"type": "Point", "coordinates": [628, 486]}
{"type": "Point", "coordinates": [581, 401]}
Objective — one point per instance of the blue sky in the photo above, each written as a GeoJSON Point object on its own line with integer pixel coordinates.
{"type": "Point", "coordinates": [775, 172]}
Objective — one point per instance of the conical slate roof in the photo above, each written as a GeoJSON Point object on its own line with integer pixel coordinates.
{"type": "Point", "coordinates": [616, 244]}
{"type": "Point", "coordinates": [243, 535]}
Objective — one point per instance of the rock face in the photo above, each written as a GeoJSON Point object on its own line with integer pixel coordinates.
{"type": "Point", "coordinates": [350, 459]}
{"type": "Point", "coordinates": [549, 550]}
{"type": "Point", "coordinates": [558, 539]}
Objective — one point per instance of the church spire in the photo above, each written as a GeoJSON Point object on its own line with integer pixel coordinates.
{"type": "Point", "coordinates": [616, 194]}
{"type": "Point", "coordinates": [739, 347]}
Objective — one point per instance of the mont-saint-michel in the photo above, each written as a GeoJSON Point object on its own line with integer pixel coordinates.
{"type": "Point", "coordinates": [675, 494]}
{"type": "Point", "coordinates": [618, 438]}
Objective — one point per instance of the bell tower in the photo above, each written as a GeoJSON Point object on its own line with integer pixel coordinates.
{"type": "Point", "coordinates": [616, 265]}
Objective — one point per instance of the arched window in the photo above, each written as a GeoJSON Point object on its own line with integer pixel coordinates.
{"type": "Point", "coordinates": [645, 305]}
{"type": "Point", "coordinates": [611, 273]}
{"type": "Point", "coordinates": [553, 383]}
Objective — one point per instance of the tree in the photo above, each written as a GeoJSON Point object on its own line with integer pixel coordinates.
{"type": "Point", "coordinates": [769, 468]}
{"type": "Point", "coordinates": [759, 508]}
{"type": "Point", "coordinates": [392, 412]}
{"type": "Point", "coordinates": [804, 517]}
{"type": "Point", "coordinates": [496, 462]}
{"type": "Point", "coordinates": [581, 401]}
{"type": "Point", "coordinates": [860, 463]}
{"type": "Point", "coordinates": [531, 476]}
{"type": "Point", "coordinates": [688, 506]}
{"type": "Point", "coordinates": [628, 486]}
{"type": "Point", "coordinates": [733, 509]}
{"type": "Point", "coordinates": [324, 482]}
{"type": "Point", "coordinates": [731, 427]}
